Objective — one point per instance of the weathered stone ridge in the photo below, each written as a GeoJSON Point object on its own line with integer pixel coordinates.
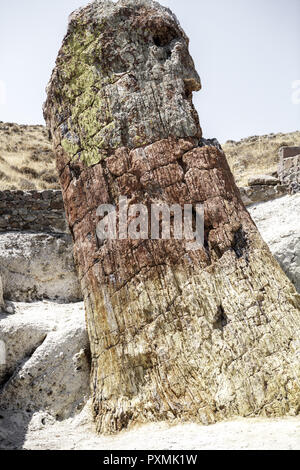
{"type": "Point", "coordinates": [175, 334]}
{"type": "Point", "coordinates": [32, 211]}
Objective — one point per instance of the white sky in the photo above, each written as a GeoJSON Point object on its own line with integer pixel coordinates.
{"type": "Point", "coordinates": [246, 52]}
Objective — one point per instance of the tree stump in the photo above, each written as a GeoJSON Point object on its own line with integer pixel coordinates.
{"type": "Point", "coordinates": [176, 334]}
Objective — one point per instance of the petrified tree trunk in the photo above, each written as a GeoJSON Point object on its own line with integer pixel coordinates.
{"type": "Point", "coordinates": [175, 334]}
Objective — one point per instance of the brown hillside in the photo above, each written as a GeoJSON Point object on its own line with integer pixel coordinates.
{"type": "Point", "coordinates": [257, 155]}
{"type": "Point", "coordinates": [27, 160]}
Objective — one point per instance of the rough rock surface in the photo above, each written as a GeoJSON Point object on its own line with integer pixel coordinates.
{"type": "Point", "coordinates": [34, 266]}
{"type": "Point", "coordinates": [175, 334]}
{"type": "Point", "coordinates": [263, 180]}
{"type": "Point", "coordinates": [107, 72]}
{"type": "Point", "coordinates": [289, 152]}
{"type": "Point", "coordinates": [289, 173]}
{"type": "Point", "coordinates": [279, 224]}
{"type": "Point", "coordinates": [47, 362]}
{"type": "Point", "coordinates": [262, 193]}
{"type": "Point", "coordinates": [32, 211]}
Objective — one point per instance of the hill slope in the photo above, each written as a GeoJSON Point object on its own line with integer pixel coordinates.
{"type": "Point", "coordinates": [257, 155]}
{"type": "Point", "coordinates": [27, 160]}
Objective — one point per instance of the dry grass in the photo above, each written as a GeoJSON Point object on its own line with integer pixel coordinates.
{"type": "Point", "coordinates": [26, 158]}
{"type": "Point", "coordinates": [257, 155]}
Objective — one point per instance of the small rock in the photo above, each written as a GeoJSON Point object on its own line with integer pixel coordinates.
{"type": "Point", "coordinates": [263, 179]}
{"type": "Point", "coordinates": [262, 193]}
{"type": "Point", "coordinates": [9, 309]}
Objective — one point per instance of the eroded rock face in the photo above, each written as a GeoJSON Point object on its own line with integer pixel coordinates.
{"type": "Point", "coordinates": [32, 211]}
{"type": "Point", "coordinates": [122, 61]}
{"type": "Point", "coordinates": [47, 359]}
{"type": "Point", "coordinates": [175, 334]}
{"type": "Point", "coordinates": [278, 223]}
{"type": "Point", "coordinates": [36, 266]}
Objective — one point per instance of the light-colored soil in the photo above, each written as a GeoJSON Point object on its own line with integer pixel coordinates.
{"type": "Point", "coordinates": [77, 434]}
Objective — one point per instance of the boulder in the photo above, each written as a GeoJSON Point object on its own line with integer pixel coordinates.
{"type": "Point", "coordinates": [262, 193]}
{"type": "Point", "coordinates": [38, 266]}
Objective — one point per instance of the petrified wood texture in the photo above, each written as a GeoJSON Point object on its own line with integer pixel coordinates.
{"type": "Point", "coordinates": [175, 334]}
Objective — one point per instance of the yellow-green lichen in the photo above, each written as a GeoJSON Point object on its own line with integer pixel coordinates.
{"type": "Point", "coordinates": [71, 148]}
{"type": "Point", "coordinates": [84, 80]}
{"type": "Point", "coordinates": [91, 156]}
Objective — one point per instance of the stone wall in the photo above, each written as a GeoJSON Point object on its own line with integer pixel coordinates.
{"type": "Point", "coordinates": [32, 211]}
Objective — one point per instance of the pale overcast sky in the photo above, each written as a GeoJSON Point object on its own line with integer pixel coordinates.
{"type": "Point", "coordinates": [246, 52]}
